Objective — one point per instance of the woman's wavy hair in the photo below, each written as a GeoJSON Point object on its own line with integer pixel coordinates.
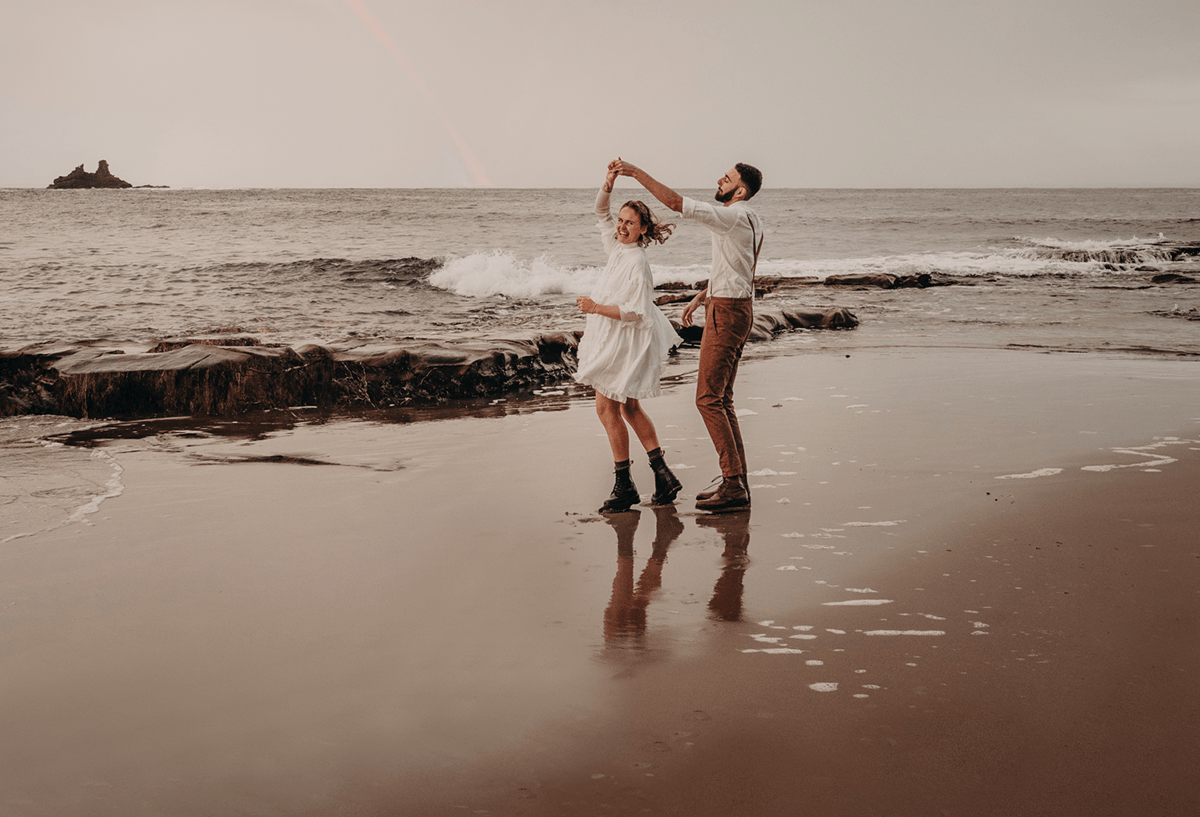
{"type": "Point", "coordinates": [658, 232]}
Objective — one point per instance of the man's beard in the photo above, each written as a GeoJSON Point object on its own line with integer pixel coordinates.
{"type": "Point", "coordinates": [724, 198]}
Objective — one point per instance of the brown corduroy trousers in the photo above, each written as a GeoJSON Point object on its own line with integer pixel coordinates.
{"type": "Point", "coordinates": [727, 325]}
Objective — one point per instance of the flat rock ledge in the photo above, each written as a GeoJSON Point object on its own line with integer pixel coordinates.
{"type": "Point", "coordinates": [226, 375]}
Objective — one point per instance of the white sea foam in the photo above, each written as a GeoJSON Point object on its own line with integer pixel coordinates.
{"type": "Point", "coordinates": [1041, 472]}
{"type": "Point", "coordinates": [1149, 452]}
{"type": "Point", "coordinates": [502, 273]}
{"type": "Point", "coordinates": [1094, 245]}
{"type": "Point", "coordinates": [1038, 258]}
{"type": "Point", "coordinates": [778, 651]}
{"type": "Point", "coordinates": [905, 632]}
{"type": "Point", "coordinates": [766, 639]}
{"type": "Point", "coordinates": [65, 485]}
{"type": "Point", "coordinates": [114, 487]}
{"type": "Point", "coordinates": [858, 603]}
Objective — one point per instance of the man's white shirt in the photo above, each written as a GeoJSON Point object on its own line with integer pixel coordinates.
{"type": "Point", "coordinates": [736, 230]}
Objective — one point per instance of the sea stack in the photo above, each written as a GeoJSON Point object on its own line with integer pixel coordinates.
{"type": "Point", "coordinates": [79, 179]}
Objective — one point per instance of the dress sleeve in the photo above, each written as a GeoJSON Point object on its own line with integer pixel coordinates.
{"type": "Point", "coordinates": [635, 295]}
{"type": "Point", "coordinates": [608, 227]}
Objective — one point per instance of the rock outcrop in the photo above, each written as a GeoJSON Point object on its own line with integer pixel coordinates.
{"type": "Point", "coordinates": [1172, 278]}
{"type": "Point", "coordinates": [80, 179]}
{"type": "Point", "coordinates": [228, 375]}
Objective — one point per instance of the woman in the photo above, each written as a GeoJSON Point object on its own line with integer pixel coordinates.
{"type": "Point", "coordinates": [625, 344]}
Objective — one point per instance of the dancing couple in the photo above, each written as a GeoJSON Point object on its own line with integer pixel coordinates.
{"type": "Point", "coordinates": [627, 338]}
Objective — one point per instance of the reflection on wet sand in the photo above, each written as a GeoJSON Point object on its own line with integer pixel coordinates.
{"type": "Point", "coordinates": [726, 601]}
{"type": "Point", "coordinates": [625, 616]}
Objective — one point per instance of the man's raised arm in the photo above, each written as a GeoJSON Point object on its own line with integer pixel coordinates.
{"type": "Point", "coordinates": [656, 188]}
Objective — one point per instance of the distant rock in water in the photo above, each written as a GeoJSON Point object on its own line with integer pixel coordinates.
{"type": "Point", "coordinates": [80, 179]}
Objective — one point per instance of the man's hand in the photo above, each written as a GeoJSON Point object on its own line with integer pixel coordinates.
{"type": "Point", "coordinates": [686, 317]}
{"type": "Point", "coordinates": [624, 168]}
{"type": "Point", "coordinates": [660, 191]}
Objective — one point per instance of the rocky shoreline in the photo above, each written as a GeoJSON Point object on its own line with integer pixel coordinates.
{"type": "Point", "coordinates": [231, 375]}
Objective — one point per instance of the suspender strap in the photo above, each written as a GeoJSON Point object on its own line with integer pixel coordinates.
{"type": "Point", "coordinates": [755, 242]}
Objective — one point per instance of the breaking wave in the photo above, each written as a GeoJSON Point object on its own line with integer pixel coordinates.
{"type": "Point", "coordinates": [1123, 252]}
{"type": "Point", "coordinates": [503, 273]}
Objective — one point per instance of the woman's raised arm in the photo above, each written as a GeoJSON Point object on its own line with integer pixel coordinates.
{"type": "Point", "coordinates": [610, 177]}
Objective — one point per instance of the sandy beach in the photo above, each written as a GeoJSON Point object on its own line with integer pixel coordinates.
{"type": "Point", "coordinates": [968, 585]}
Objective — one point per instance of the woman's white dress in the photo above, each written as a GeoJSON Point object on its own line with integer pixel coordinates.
{"type": "Point", "coordinates": [624, 358]}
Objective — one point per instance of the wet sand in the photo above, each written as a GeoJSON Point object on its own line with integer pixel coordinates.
{"type": "Point", "coordinates": [968, 585]}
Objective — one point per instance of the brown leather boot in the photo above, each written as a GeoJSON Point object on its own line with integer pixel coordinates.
{"type": "Point", "coordinates": [732, 494]}
{"type": "Point", "coordinates": [714, 486]}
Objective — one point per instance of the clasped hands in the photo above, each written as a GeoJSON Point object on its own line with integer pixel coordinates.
{"type": "Point", "coordinates": [619, 167]}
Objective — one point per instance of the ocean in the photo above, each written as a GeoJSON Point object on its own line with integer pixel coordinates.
{"type": "Point", "coordinates": [1066, 269]}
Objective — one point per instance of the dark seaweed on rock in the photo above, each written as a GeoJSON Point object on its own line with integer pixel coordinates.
{"type": "Point", "coordinates": [215, 380]}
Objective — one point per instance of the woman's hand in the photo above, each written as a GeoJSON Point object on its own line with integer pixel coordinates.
{"type": "Point", "coordinates": [686, 317]}
{"type": "Point", "coordinates": [586, 304]}
{"type": "Point", "coordinates": [611, 176]}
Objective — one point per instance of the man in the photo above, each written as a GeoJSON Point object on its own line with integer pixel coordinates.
{"type": "Point", "coordinates": [729, 313]}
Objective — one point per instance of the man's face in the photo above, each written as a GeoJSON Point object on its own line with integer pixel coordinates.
{"type": "Point", "coordinates": [728, 185]}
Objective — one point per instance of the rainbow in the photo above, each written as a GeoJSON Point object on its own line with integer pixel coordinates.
{"type": "Point", "coordinates": [460, 144]}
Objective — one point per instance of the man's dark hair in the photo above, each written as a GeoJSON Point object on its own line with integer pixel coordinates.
{"type": "Point", "coordinates": [751, 177]}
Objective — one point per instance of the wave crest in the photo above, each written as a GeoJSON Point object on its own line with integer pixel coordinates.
{"type": "Point", "coordinates": [1116, 251]}
{"type": "Point", "coordinates": [502, 273]}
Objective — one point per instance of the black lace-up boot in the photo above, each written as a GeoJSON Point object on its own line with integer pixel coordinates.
{"type": "Point", "coordinates": [624, 493]}
{"type": "Point", "coordinates": [666, 485]}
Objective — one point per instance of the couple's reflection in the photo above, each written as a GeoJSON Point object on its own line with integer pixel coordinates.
{"type": "Point", "coordinates": [625, 616]}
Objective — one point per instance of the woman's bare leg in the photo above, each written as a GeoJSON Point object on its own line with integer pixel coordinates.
{"type": "Point", "coordinates": [609, 412]}
{"type": "Point", "coordinates": [641, 424]}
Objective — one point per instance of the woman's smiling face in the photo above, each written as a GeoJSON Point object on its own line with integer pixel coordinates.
{"type": "Point", "coordinates": [629, 226]}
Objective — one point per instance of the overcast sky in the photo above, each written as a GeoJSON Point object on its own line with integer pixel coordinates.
{"type": "Point", "coordinates": [541, 93]}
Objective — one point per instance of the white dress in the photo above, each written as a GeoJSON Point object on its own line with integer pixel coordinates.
{"type": "Point", "coordinates": [624, 358]}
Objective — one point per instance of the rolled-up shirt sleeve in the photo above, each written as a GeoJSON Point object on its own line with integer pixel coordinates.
{"type": "Point", "coordinates": [734, 231]}
{"type": "Point", "coordinates": [718, 219]}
